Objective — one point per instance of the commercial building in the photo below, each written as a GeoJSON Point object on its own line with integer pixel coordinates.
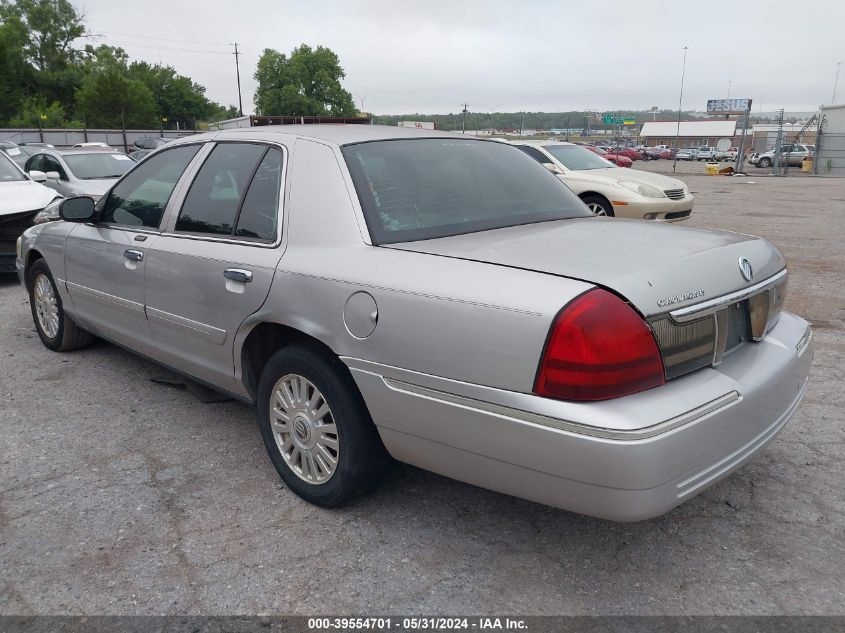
{"type": "Point", "coordinates": [690, 133]}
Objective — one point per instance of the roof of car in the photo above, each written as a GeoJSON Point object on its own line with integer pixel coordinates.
{"type": "Point", "coordinates": [533, 142]}
{"type": "Point", "coordinates": [76, 150]}
{"type": "Point", "coordinates": [340, 134]}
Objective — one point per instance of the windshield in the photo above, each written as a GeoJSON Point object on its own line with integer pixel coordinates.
{"type": "Point", "coordinates": [428, 188]}
{"type": "Point", "coordinates": [8, 171]}
{"type": "Point", "coordinates": [99, 165]}
{"type": "Point", "coordinates": [577, 158]}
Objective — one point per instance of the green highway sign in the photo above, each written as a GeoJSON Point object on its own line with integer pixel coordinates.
{"type": "Point", "coordinates": [610, 119]}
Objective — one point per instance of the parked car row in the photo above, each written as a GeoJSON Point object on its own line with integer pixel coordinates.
{"type": "Point", "coordinates": [457, 307]}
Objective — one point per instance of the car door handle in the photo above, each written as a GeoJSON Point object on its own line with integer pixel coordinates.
{"type": "Point", "coordinates": [133, 255]}
{"type": "Point", "coordinates": [237, 274]}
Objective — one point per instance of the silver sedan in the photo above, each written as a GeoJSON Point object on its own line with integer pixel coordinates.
{"type": "Point", "coordinates": [446, 301]}
{"type": "Point", "coordinates": [80, 171]}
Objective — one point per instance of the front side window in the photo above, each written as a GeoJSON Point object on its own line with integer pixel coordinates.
{"type": "Point", "coordinates": [235, 193]}
{"type": "Point", "coordinates": [141, 197]}
{"type": "Point", "coordinates": [95, 166]}
{"type": "Point", "coordinates": [34, 163]}
{"type": "Point", "coordinates": [48, 164]}
{"type": "Point", "coordinates": [428, 188]}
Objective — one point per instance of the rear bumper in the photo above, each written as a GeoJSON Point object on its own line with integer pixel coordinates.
{"type": "Point", "coordinates": [627, 459]}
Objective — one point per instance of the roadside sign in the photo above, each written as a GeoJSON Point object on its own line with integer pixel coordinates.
{"type": "Point", "coordinates": [629, 122]}
{"type": "Point", "coordinates": [728, 106]}
{"type": "Point", "coordinates": [609, 119]}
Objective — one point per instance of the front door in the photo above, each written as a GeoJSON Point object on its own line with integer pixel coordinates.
{"type": "Point", "coordinates": [105, 263]}
{"type": "Point", "coordinates": [214, 264]}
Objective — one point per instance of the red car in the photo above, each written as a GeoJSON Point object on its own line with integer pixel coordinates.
{"type": "Point", "coordinates": [616, 159]}
{"type": "Point", "coordinates": [628, 152]}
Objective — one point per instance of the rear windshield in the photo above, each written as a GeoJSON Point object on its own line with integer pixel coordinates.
{"type": "Point", "coordinates": [98, 165]}
{"type": "Point", "coordinates": [428, 188]}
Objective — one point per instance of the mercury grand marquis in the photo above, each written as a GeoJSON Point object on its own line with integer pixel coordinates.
{"type": "Point", "coordinates": [445, 301]}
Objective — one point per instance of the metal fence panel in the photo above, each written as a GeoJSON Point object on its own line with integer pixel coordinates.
{"type": "Point", "coordinates": [830, 155]}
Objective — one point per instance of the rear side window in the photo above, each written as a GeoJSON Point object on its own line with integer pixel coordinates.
{"type": "Point", "coordinates": [235, 193]}
{"type": "Point", "coordinates": [428, 188]}
{"type": "Point", "coordinates": [260, 209]}
{"type": "Point", "coordinates": [141, 197]}
{"type": "Point", "coordinates": [535, 153]}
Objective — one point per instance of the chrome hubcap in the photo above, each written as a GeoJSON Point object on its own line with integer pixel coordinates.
{"type": "Point", "coordinates": [46, 307]}
{"type": "Point", "coordinates": [304, 429]}
{"type": "Point", "coordinates": [596, 208]}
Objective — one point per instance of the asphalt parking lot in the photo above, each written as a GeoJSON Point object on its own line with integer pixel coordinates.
{"type": "Point", "coordinates": [122, 494]}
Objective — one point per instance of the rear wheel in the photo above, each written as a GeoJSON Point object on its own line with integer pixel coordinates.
{"type": "Point", "coordinates": [56, 329]}
{"type": "Point", "coordinates": [316, 427]}
{"type": "Point", "coordinates": [598, 205]}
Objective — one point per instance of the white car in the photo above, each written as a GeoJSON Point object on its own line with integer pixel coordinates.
{"type": "Point", "coordinates": [21, 200]}
{"type": "Point", "coordinates": [610, 190]}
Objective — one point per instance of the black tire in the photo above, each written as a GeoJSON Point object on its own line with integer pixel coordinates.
{"type": "Point", "coordinates": [361, 456]}
{"type": "Point", "coordinates": [600, 201]}
{"type": "Point", "coordinates": [68, 336]}
{"type": "Point", "coordinates": [764, 162]}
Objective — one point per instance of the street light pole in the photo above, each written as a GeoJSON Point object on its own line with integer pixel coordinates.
{"type": "Point", "coordinates": [680, 105]}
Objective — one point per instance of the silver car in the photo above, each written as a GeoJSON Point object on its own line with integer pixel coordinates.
{"type": "Point", "coordinates": [792, 154]}
{"type": "Point", "coordinates": [377, 291]}
{"type": "Point", "coordinates": [78, 171]}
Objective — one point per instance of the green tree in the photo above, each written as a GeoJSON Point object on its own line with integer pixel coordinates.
{"type": "Point", "coordinates": [176, 97]}
{"type": "Point", "coordinates": [35, 112]}
{"type": "Point", "coordinates": [51, 27]}
{"type": "Point", "coordinates": [305, 84]}
{"type": "Point", "coordinates": [108, 98]}
{"type": "Point", "coordinates": [15, 73]}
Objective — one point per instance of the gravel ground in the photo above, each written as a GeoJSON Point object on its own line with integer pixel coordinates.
{"type": "Point", "coordinates": [121, 495]}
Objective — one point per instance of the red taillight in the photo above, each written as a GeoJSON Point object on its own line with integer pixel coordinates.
{"type": "Point", "coordinates": [598, 348]}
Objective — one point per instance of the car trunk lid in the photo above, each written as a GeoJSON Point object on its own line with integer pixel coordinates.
{"type": "Point", "coordinates": [656, 267]}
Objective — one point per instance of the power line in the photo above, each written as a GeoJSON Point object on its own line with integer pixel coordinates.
{"type": "Point", "coordinates": [158, 47]}
{"type": "Point", "coordinates": [163, 39]}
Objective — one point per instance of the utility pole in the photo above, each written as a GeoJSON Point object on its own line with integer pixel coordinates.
{"type": "Point", "coordinates": [835, 82]}
{"type": "Point", "coordinates": [464, 122]}
{"type": "Point", "coordinates": [238, 75]}
{"type": "Point", "coordinates": [680, 105]}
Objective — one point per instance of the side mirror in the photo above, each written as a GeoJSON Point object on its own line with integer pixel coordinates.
{"type": "Point", "coordinates": [79, 209]}
{"type": "Point", "coordinates": [53, 175]}
{"type": "Point", "coordinates": [38, 176]}
{"type": "Point", "coordinates": [553, 168]}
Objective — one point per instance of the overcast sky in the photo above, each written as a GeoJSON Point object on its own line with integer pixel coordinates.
{"type": "Point", "coordinates": [552, 55]}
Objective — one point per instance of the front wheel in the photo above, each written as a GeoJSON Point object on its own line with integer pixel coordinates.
{"type": "Point", "coordinates": [598, 205]}
{"type": "Point", "coordinates": [764, 162]}
{"type": "Point", "coordinates": [56, 329]}
{"type": "Point", "coordinates": [316, 427]}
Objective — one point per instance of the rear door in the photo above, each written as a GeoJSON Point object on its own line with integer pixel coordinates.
{"type": "Point", "coordinates": [214, 264]}
{"type": "Point", "coordinates": [105, 262]}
